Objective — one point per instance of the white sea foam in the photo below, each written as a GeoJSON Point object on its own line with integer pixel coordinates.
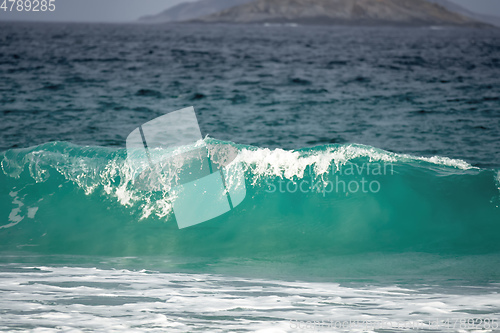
{"type": "Point", "coordinates": [32, 212]}
{"type": "Point", "coordinates": [14, 217]}
{"type": "Point", "coordinates": [115, 177]}
{"type": "Point", "coordinates": [440, 160]}
{"type": "Point", "coordinates": [264, 162]}
{"type": "Point", "coordinates": [75, 298]}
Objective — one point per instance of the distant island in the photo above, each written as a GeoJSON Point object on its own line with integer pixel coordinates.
{"type": "Point", "coordinates": [453, 7]}
{"type": "Point", "coordinates": [337, 12]}
{"type": "Point", "coordinates": [192, 10]}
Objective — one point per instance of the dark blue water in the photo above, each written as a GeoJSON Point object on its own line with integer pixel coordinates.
{"type": "Point", "coordinates": [82, 249]}
{"type": "Point", "coordinates": [424, 91]}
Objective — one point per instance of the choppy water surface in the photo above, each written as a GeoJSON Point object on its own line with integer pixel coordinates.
{"type": "Point", "coordinates": [83, 249]}
{"type": "Point", "coordinates": [422, 91]}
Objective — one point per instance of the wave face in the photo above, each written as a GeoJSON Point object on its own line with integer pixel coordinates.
{"type": "Point", "coordinates": [59, 198]}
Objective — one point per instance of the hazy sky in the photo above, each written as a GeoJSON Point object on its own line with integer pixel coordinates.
{"type": "Point", "coordinates": [130, 10]}
{"type": "Point", "coordinates": [95, 10]}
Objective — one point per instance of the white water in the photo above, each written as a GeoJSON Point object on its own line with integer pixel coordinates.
{"type": "Point", "coordinates": [74, 299]}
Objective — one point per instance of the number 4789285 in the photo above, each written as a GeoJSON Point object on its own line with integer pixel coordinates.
{"type": "Point", "coordinates": [28, 5]}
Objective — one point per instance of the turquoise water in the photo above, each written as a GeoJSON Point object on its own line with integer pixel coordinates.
{"type": "Point", "coordinates": [370, 159]}
{"type": "Point", "coordinates": [414, 246]}
{"type": "Point", "coordinates": [59, 198]}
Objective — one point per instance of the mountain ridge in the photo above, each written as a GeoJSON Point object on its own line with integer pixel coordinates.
{"type": "Point", "coordinates": [345, 12]}
{"type": "Point", "coordinates": [453, 7]}
{"type": "Point", "coordinates": [191, 10]}
{"type": "Point", "coordinates": [357, 12]}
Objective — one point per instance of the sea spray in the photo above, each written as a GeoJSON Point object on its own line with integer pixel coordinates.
{"type": "Point", "coordinates": [81, 200]}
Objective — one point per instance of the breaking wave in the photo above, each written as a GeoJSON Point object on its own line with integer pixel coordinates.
{"type": "Point", "coordinates": [331, 199]}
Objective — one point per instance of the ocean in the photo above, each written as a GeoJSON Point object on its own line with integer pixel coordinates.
{"type": "Point", "coordinates": [370, 159]}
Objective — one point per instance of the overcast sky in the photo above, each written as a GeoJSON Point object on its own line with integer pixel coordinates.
{"type": "Point", "coordinates": [130, 10]}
